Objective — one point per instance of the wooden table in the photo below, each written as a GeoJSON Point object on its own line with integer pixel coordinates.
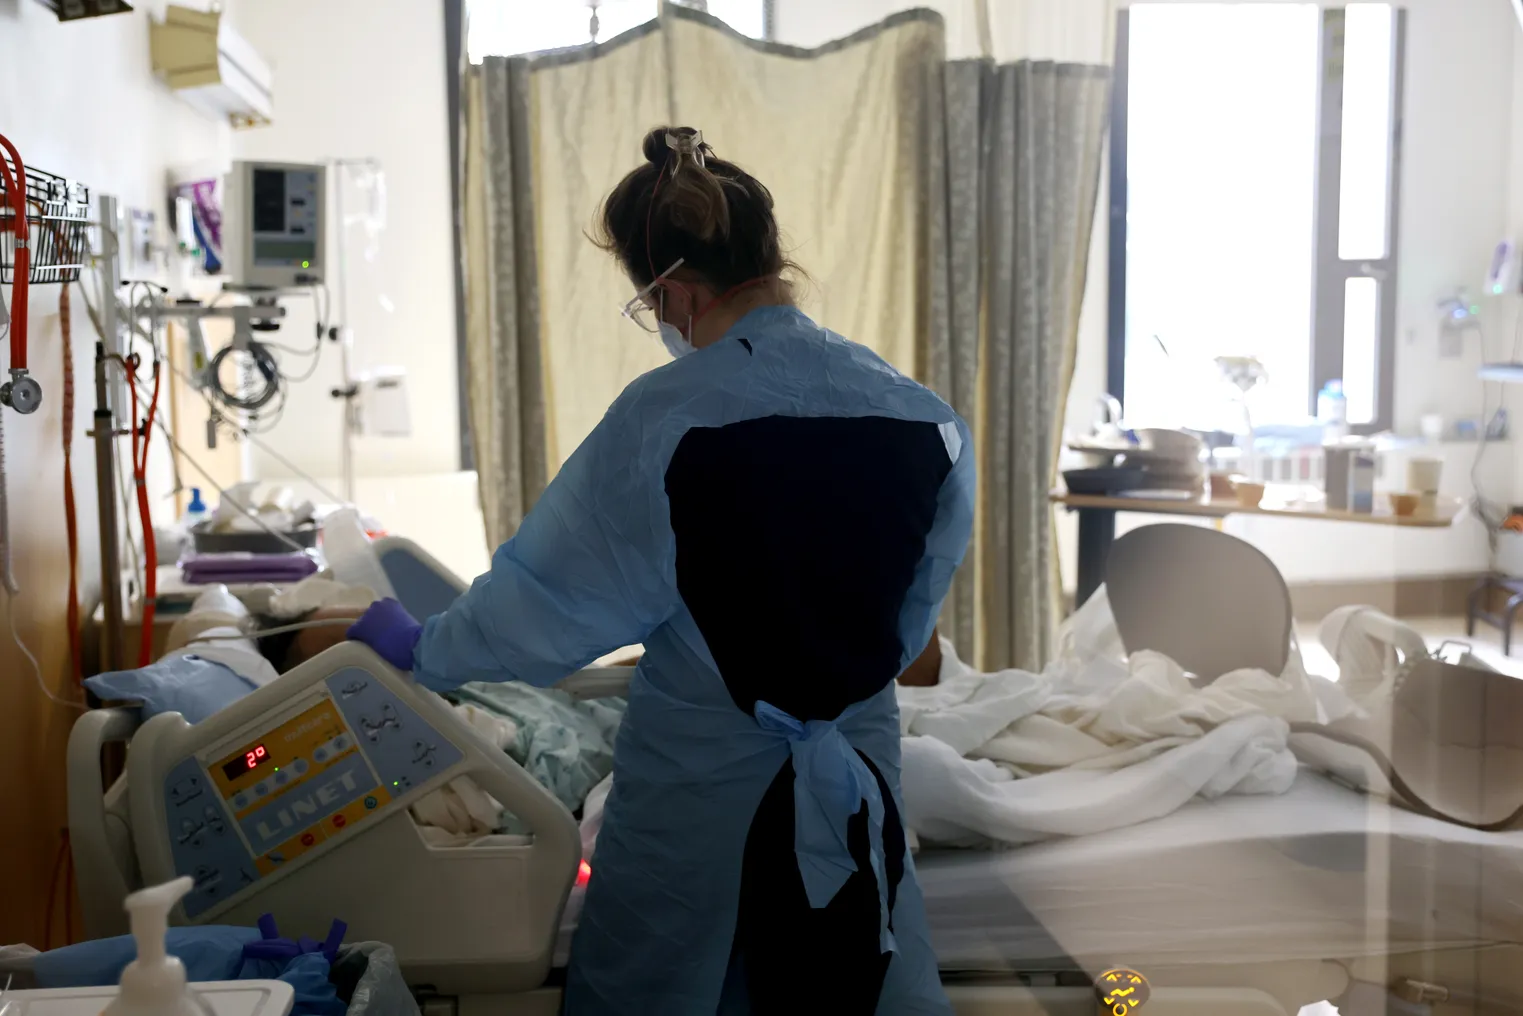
{"type": "Point", "coordinates": [1097, 521]}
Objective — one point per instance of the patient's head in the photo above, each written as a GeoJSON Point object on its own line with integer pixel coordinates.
{"type": "Point", "coordinates": [292, 649]}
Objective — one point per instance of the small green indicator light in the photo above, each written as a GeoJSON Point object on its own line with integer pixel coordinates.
{"type": "Point", "coordinates": [306, 264]}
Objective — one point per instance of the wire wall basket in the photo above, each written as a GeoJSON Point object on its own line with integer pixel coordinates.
{"type": "Point", "coordinates": [57, 224]}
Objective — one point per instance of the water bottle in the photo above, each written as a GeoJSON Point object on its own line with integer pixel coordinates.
{"type": "Point", "coordinates": [196, 511]}
{"type": "Point", "coordinates": [1332, 412]}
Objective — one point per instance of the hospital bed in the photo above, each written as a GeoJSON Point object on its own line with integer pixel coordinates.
{"type": "Point", "coordinates": [294, 801]}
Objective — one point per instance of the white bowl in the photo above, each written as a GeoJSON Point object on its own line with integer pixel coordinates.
{"type": "Point", "coordinates": [1174, 443]}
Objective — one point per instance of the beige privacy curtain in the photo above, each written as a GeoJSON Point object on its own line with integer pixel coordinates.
{"type": "Point", "coordinates": [1043, 135]}
{"type": "Point", "coordinates": [941, 210]}
{"type": "Point", "coordinates": [1017, 172]}
{"type": "Point", "coordinates": [837, 134]}
{"type": "Point", "coordinates": [503, 364]}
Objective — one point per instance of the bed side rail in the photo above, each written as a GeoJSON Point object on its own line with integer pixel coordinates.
{"type": "Point", "coordinates": [100, 838]}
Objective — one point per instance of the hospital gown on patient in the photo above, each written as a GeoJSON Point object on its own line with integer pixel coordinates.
{"type": "Point", "coordinates": [786, 489]}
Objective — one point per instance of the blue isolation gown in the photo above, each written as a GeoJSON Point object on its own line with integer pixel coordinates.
{"type": "Point", "coordinates": [595, 566]}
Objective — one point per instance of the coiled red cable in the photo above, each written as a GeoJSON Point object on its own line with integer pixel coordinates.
{"type": "Point", "coordinates": [15, 190]}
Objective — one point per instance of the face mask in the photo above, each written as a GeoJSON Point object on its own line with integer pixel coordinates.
{"type": "Point", "coordinates": [675, 342]}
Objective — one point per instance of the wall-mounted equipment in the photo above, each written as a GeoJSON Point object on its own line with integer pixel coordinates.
{"type": "Point", "coordinates": [273, 225]}
{"type": "Point", "coordinates": [43, 223]}
{"type": "Point", "coordinates": [1503, 275]}
{"type": "Point", "coordinates": [74, 10]}
{"type": "Point", "coordinates": [1458, 316]}
{"type": "Point", "coordinates": [212, 67]}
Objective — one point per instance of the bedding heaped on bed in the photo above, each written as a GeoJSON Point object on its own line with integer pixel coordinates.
{"type": "Point", "coordinates": [1092, 743]}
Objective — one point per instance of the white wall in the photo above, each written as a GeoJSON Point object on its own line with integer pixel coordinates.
{"type": "Point", "coordinates": [357, 79]}
{"type": "Point", "coordinates": [80, 100]}
{"type": "Point", "coordinates": [1515, 221]}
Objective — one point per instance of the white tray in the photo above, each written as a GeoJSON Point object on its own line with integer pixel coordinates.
{"type": "Point", "coordinates": [226, 998]}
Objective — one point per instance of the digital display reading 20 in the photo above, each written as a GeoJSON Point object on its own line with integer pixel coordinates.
{"type": "Point", "coordinates": [255, 756]}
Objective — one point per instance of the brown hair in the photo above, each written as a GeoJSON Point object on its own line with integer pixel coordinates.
{"type": "Point", "coordinates": [685, 203]}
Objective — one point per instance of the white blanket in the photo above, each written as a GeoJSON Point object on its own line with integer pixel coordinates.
{"type": "Point", "coordinates": [1083, 748]}
{"type": "Point", "coordinates": [953, 801]}
{"type": "Point", "coordinates": [1092, 743]}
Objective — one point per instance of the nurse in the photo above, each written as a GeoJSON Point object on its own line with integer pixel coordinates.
{"type": "Point", "coordinates": [776, 515]}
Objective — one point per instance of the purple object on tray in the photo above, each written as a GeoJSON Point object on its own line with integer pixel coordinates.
{"type": "Point", "coordinates": [242, 569]}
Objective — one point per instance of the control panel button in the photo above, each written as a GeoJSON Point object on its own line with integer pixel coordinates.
{"type": "Point", "coordinates": [280, 779]}
{"type": "Point", "coordinates": [307, 839]}
{"type": "Point", "coordinates": [190, 832]}
{"type": "Point", "coordinates": [185, 791]}
{"type": "Point", "coordinates": [320, 755]}
{"type": "Point", "coordinates": [261, 789]}
{"type": "Point", "coordinates": [241, 801]}
{"type": "Point", "coordinates": [339, 821]}
{"type": "Point", "coordinates": [341, 742]}
{"type": "Point", "coordinates": [299, 766]}
{"type": "Point", "coordinates": [207, 879]}
{"type": "Point", "coordinates": [423, 753]}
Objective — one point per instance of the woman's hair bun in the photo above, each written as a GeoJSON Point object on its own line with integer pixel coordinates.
{"type": "Point", "coordinates": [654, 147]}
{"type": "Point", "coordinates": [684, 202]}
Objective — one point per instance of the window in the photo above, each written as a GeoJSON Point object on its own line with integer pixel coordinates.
{"type": "Point", "coordinates": [511, 27]}
{"type": "Point", "coordinates": [1253, 194]}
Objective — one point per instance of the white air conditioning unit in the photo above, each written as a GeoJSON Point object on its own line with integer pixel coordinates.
{"type": "Point", "coordinates": [212, 67]}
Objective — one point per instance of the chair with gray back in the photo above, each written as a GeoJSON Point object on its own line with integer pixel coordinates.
{"type": "Point", "coordinates": [1209, 601]}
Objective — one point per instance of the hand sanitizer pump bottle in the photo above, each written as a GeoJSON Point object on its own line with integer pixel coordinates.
{"type": "Point", "coordinates": [154, 984]}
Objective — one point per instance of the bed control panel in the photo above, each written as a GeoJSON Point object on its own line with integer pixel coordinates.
{"type": "Point", "coordinates": [239, 814]}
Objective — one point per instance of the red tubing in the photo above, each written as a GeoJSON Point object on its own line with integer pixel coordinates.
{"type": "Point", "coordinates": [70, 516]}
{"type": "Point", "coordinates": [15, 189]}
{"type": "Point", "coordinates": [140, 436]}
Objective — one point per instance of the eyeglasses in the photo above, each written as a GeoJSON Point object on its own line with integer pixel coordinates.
{"type": "Point", "coordinates": [641, 312]}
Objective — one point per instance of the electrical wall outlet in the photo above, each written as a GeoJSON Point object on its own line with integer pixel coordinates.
{"type": "Point", "coordinates": [1458, 317]}
{"type": "Point", "coordinates": [141, 236]}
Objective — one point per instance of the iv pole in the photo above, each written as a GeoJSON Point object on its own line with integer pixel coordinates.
{"type": "Point", "coordinates": [348, 390]}
{"type": "Point", "coordinates": [105, 434]}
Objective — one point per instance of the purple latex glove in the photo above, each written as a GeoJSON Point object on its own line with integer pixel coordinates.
{"type": "Point", "coordinates": [390, 630]}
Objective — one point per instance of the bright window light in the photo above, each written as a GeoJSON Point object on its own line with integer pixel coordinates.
{"type": "Point", "coordinates": [1222, 128]}
{"type": "Point", "coordinates": [513, 27]}
{"type": "Point", "coordinates": [1361, 336]}
{"type": "Point", "coordinates": [748, 17]}
{"type": "Point", "coordinates": [1368, 63]}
